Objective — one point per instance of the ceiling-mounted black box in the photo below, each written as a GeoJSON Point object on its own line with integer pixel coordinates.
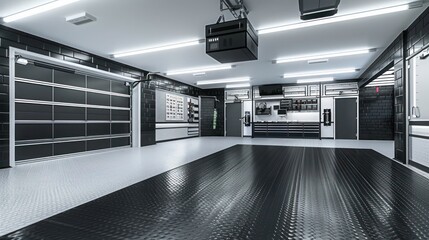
{"type": "Point", "coordinates": [233, 41]}
{"type": "Point", "coordinates": [313, 9]}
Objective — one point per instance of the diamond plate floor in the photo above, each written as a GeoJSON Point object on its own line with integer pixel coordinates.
{"type": "Point", "coordinates": [258, 192]}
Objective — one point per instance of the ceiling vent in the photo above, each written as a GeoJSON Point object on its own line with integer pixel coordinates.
{"type": "Point", "coordinates": [313, 9]}
{"type": "Point", "coordinates": [81, 18]}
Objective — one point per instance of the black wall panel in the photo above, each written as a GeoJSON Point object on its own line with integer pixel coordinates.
{"type": "Point", "coordinates": [98, 99]}
{"type": "Point", "coordinates": [34, 151]}
{"type": "Point", "coordinates": [208, 104]}
{"type": "Point", "coordinates": [120, 128]}
{"type": "Point", "coordinates": [32, 92]}
{"type": "Point", "coordinates": [69, 113]}
{"type": "Point", "coordinates": [69, 130]}
{"type": "Point", "coordinates": [98, 144]}
{"type": "Point", "coordinates": [4, 131]}
{"type": "Point", "coordinates": [33, 112]}
{"type": "Point", "coordinates": [33, 72]}
{"type": "Point", "coordinates": [119, 115]}
{"type": "Point", "coordinates": [69, 96]}
{"type": "Point", "coordinates": [148, 114]}
{"type": "Point", "coordinates": [98, 129]}
{"type": "Point", "coordinates": [33, 131]}
{"type": "Point", "coordinates": [98, 84]}
{"type": "Point", "coordinates": [119, 87]}
{"type": "Point", "coordinates": [71, 79]}
{"type": "Point", "coordinates": [120, 102]}
{"type": "Point", "coordinates": [96, 114]}
{"type": "Point", "coordinates": [68, 148]}
{"type": "Point", "coordinates": [376, 111]}
{"type": "Point", "coordinates": [120, 142]}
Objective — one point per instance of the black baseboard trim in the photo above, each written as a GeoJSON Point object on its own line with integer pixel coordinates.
{"type": "Point", "coordinates": [326, 138]}
{"type": "Point", "coordinates": [419, 166]}
{"type": "Point", "coordinates": [176, 139]}
{"type": "Point", "coordinates": [421, 123]}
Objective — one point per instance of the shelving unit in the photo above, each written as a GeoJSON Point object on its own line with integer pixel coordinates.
{"type": "Point", "coordinates": [299, 91]}
{"type": "Point", "coordinates": [307, 104]}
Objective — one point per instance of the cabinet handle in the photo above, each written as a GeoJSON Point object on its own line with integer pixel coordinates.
{"type": "Point", "coordinates": [418, 112]}
{"type": "Point", "coordinates": [413, 110]}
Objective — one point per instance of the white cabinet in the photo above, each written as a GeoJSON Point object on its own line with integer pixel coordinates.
{"type": "Point", "coordinates": [419, 88]}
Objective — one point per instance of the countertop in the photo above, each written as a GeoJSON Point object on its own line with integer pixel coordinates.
{"type": "Point", "coordinates": [289, 121]}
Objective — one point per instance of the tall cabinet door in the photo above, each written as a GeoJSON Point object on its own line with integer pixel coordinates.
{"type": "Point", "coordinates": [233, 120]}
{"type": "Point", "coordinates": [346, 118]}
{"type": "Point", "coordinates": [419, 76]}
{"type": "Point", "coordinates": [418, 131]}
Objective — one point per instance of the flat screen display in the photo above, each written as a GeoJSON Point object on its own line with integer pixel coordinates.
{"type": "Point", "coordinates": [268, 90]}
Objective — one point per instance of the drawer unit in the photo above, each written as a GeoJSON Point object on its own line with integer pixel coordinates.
{"type": "Point", "coordinates": [286, 129]}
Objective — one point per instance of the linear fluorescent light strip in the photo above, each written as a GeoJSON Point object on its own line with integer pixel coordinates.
{"type": "Point", "coordinates": [36, 10]}
{"type": "Point", "coordinates": [199, 70]}
{"type": "Point", "coordinates": [323, 56]}
{"type": "Point", "coordinates": [384, 80]}
{"type": "Point", "coordinates": [158, 49]}
{"type": "Point", "coordinates": [315, 80]}
{"type": "Point", "coordinates": [220, 81]}
{"type": "Point", "coordinates": [337, 19]}
{"type": "Point", "coordinates": [380, 85]}
{"type": "Point", "coordinates": [199, 74]}
{"type": "Point", "coordinates": [244, 85]}
{"type": "Point", "coordinates": [320, 73]}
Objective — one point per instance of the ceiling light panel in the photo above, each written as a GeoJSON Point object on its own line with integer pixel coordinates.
{"type": "Point", "coordinates": [158, 48]}
{"type": "Point", "coordinates": [315, 80]}
{"type": "Point", "coordinates": [323, 56]}
{"type": "Point", "coordinates": [343, 18]}
{"type": "Point", "coordinates": [199, 70]}
{"type": "Point", "coordinates": [320, 73]}
{"type": "Point", "coordinates": [243, 85]}
{"type": "Point", "coordinates": [37, 10]}
{"type": "Point", "coordinates": [226, 80]}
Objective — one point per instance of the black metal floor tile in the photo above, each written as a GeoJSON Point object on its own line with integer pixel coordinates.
{"type": "Point", "coordinates": [258, 192]}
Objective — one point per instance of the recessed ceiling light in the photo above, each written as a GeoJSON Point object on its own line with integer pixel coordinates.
{"type": "Point", "coordinates": [36, 10]}
{"type": "Point", "coordinates": [315, 80]}
{"type": "Point", "coordinates": [243, 85]}
{"type": "Point", "coordinates": [158, 48]}
{"type": "Point", "coordinates": [320, 73]}
{"type": "Point", "coordinates": [199, 70]}
{"type": "Point", "coordinates": [226, 80]}
{"type": "Point", "coordinates": [323, 56]}
{"type": "Point", "coordinates": [353, 16]}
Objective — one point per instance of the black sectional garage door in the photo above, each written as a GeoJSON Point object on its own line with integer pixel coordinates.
{"type": "Point", "coordinates": [60, 112]}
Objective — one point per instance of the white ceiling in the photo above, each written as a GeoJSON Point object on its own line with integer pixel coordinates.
{"type": "Point", "coordinates": [125, 25]}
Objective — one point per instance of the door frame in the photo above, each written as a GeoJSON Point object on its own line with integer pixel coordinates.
{"type": "Point", "coordinates": [225, 118]}
{"type": "Point", "coordinates": [357, 114]}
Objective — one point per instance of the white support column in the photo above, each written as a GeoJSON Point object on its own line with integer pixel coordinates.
{"type": "Point", "coordinates": [136, 116]}
{"type": "Point", "coordinates": [11, 107]}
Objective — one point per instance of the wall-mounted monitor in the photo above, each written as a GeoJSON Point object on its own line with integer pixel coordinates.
{"type": "Point", "coordinates": [269, 90]}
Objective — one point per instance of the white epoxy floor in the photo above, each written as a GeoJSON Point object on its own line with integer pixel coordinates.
{"type": "Point", "coordinates": [32, 192]}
